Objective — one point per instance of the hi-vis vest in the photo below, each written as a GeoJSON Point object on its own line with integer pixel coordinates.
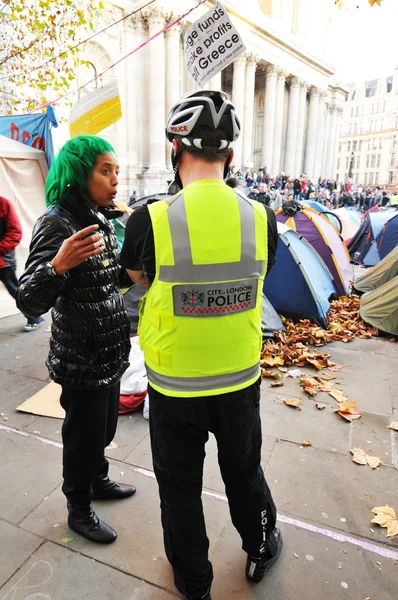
{"type": "Point", "coordinates": [200, 325]}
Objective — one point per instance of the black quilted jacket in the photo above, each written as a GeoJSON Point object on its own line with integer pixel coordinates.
{"type": "Point", "coordinates": [90, 339]}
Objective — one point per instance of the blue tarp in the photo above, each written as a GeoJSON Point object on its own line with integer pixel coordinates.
{"type": "Point", "coordinates": [299, 284]}
{"type": "Point", "coordinates": [32, 130]}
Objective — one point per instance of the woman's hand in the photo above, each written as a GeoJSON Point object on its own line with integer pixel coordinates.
{"type": "Point", "coordinates": [77, 248]}
{"type": "Point", "coordinates": [139, 278]}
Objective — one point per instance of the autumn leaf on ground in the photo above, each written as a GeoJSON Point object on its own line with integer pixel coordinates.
{"type": "Point", "coordinates": [112, 446]}
{"type": "Point", "coordinates": [320, 406]}
{"type": "Point", "coordinates": [359, 456]}
{"type": "Point", "coordinates": [337, 395]}
{"type": "Point", "coordinates": [307, 443]}
{"type": "Point", "coordinates": [272, 361]}
{"type": "Point", "coordinates": [277, 384]}
{"type": "Point", "coordinates": [326, 386]}
{"type": "Point", "coordinates": [393, 426]}
{"type": "Point", "coordinates": [349, 411]}
{"type": "Point", "coordinates": [317, 363]}
{"type": "Point", "coordinates": [310, 385]}
{"type": "Point", "coordinates": [282, 369]}
{"type": "Point", "coordinates": [272, 374]}
{"type": "Point", "coordinates": [386, 517]}
{"type": "Point", "coordinates": [295, 402]}
{"type": "Point", "coordinates": [326, 376]}
{"type": "Point", "coordinates": [334, 366]}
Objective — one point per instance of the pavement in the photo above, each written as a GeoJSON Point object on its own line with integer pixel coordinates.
{"type": "Point", "coordinates": [331, 549]}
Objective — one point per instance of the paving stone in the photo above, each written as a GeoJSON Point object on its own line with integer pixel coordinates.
{"type": "Point", "coordinates": [31, 469]}
{"type": "Point", "coordinates": [319, 569]}
{"type": "Point", "coordinates": [46, 427]}
{"type": "Point", "coordinates": [394, 394]}
{"type": "Point", "coordinates": [139, 547]}
{"type": "Point", "coordinates": [212, 480]}
{"type": "Point", "coordinates": [129, 433]}
{"type": "Point", "coordinates": [374, 429]}
{"type": "Point", "coordinates": [16, 547]}
{"type": "Point", "coordinates": [14, 390]}
{"type": "Point", "coordinates": [372, 394]}
{"type": "Point", "coordinates": [375, 345]}
{"type": "Point", "coordinates": [323, 487]}
{"type": "Point", "coordinates": [57, 573]}
{"type": "Point", "coordinates": [392, 366]}
{"type": "Point", "coordinates": [366, 364]}
{"type": "Point", "coordinates": [324, 428]}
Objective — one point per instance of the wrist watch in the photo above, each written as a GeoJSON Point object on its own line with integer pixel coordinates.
{"type": "Point", "coordinates": [50, 271]}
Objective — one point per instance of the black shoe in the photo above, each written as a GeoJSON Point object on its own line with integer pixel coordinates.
{"type": "Point", "coordinates": [256, 569]}
{"type": "Point", "coordinates": [83, 520]}
{"type": "Point", "coordinates": [110, 490]}
{"type": "Point", "coordinates": [207, 597]}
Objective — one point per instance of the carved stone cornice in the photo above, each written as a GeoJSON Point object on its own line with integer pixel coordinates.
{"type": "Point", "coordinates": [156, 16]}
{"type": "Point", "coordinates": [251, 59]}
{"type": "Point", "coordinates": [174, 31]}
{"type": "Point", "coordinates": [314, 93]}
{"type": "Point", "coordinates": [282, 74]}
{"type": "Point", "coordinates": [240, 60]}
{"type": "Point", "coordinates": [295, 82]}
{"type": "Point", "coordinates": [271, 71]}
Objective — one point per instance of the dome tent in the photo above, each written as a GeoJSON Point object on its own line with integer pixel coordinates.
{"type": "Point", "coordinates": [325, 239]}
{"type": "Point", "coordinates": [299, 284]}
{"type": "Point", "coordinates": [376, 237]}
{"type": "Point", "coordinates": [380, 307]}
{"type": "Point", "coordinates": [378, 275]}
{"type": "Point", "coordinates": [320, 208]}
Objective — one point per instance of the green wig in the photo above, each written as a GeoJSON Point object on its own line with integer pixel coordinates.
{"type": "Point", "coordinates": [73, 165]}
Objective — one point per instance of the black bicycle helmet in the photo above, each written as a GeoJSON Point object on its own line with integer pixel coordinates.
{"type": "Point", "coordinates": [199, 109]}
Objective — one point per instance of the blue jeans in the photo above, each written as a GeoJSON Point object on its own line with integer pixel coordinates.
{"type": "Point", "coordinates": [9, 277]}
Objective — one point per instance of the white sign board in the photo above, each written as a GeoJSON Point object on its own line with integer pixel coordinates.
{"type": "Point", "coordinates": [211, 43]}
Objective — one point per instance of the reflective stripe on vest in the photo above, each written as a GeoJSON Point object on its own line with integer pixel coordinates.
{"type": "Point", "coordinates": [184, 268]}
{"type": "Point", "coordinates": [202, 384]}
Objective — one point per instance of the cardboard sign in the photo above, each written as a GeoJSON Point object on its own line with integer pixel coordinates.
{"type": "Point", "coordinates": [96, 111]}
{"type": "Point", "coordinates": [211, 43]}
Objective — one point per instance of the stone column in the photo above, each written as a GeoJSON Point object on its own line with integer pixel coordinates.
{"type": "Point", "coordinates": [156, 90]}
{"type": "Point", "coordinates": [312, 128]}
{"type": "Point", "coordinates": [279, 112]}
{"type": "Point", "coordinates": [320, 135]}
{"type": "Point", "coordinates": [302, 116]}
{"type": "Point", "coordinates": [130, 109]}
{"type": "Point", "coordinates": [248, 114]}
{"type": "Point", "coordinates": [269, 117]}
{"type": "Point", "coordinates": [173, 90]}
{"type": "Point", "coordinates": [324, 173]}
{"type": "Point", "coordinates": [331, 141]}
{"type": "Point", "coordinates": [173, 87]}
{"type": "Point", "coordinates": [339, 116]}
{"type": "Point", "coordinates": [215, 82]}
{"type": "Point", "coordinates": [140, 59]}
{"type": "Point", "coordinates": [292, 124]}
{"type": "Point", "coordinates": [238, 98]}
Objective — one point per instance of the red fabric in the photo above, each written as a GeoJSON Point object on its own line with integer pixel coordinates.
{"type": "Point", "coordinates": [11, 227]}
{"type": "Point", "coordinates": [130, 403]}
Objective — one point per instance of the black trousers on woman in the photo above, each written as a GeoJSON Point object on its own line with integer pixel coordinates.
{"type": "Point", "coordinates": [89, 426]}
{"type": "Point", "coordinates": [179, 431]}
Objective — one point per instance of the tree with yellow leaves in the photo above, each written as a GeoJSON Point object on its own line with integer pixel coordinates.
{"type": "Point", "coordinates": [39, 49]}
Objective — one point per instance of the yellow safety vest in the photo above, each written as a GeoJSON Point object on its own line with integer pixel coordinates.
{"type": "Point", "coordinates": [200, 323]}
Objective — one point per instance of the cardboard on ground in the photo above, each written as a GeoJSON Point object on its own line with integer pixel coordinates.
{"type": "Point", "coordinates": [45, 403]}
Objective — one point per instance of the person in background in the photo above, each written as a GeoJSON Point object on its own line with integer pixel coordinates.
{"type": "Point", "coordinates": [202, 341]}
{"type": "Point", "coordinates": [10, 237]}
{"type": "Point", "coordinates": [73, 268]}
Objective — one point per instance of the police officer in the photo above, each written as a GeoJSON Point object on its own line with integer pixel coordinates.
{"type": "Point", "coordinates": [204, 253]}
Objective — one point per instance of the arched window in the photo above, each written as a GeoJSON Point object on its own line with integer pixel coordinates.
{"type": "Point", "coordinates": [86, 73]}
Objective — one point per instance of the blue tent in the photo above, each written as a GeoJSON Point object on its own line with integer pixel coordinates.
{"type": "Point", "coordinates": [299, 285]}
{"type": "Point", "coordinates": [376, 237]}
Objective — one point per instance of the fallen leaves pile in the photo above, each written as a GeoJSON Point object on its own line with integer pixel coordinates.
{"type": "Point", "coordinates": [290, 347]}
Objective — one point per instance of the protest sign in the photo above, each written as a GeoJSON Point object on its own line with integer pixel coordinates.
{"type": "Point", "coordinates": [211, 43]}
{"type": "Point", "coordinates": [96, 111]}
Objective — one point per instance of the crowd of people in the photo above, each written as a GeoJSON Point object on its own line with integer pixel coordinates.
{"type": "Point", "coordinates": [274, 190]}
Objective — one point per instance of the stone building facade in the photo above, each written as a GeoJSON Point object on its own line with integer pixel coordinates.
{"type": "Point", "coordinates": [283, 86]}
{"type": "Point", "coordinates": [368, 147]}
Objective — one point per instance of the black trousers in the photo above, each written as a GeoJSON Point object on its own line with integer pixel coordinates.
{"type": "Point", "coordinates": [9, 277]}
{"type": "Point", "coordinates": [179, 431]}
{"type": "Point", "coordinates": [89, 426]}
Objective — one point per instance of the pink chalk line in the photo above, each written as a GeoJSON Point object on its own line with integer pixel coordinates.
{"type": "Point", "coordinates": [334, 535]}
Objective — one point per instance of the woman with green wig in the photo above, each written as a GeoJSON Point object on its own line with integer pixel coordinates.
{"type": "Point", "coordinates": [73, 269]}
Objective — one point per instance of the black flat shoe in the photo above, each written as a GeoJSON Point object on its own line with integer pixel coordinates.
{"type": "Point", "coordinates": [113, 491]}
{"type": "Point", "coordinates": [85, 522]}
{"type": "Point", "coordinates": [256, 569]}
